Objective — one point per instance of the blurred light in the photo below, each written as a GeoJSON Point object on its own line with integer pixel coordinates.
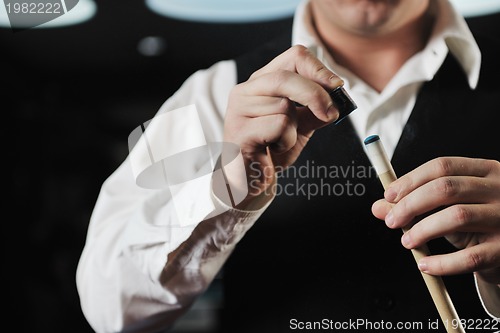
{"type": "Point", "coordinates": [151, 46]}
{"type": "Point", "coordinates": [83, 11]}
{"type": "Point", "coordinates": [224, 11]}
{"type": "Point", "coordinates": [470, 8]}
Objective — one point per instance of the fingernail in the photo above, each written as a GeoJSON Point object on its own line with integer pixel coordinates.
{"type": "Point", "coordinates": [422, 266]}
{"type": "Point", "coordinates": [389, 219]}
{"type": "Point", "coordinates": [390, 194]}
{"type": "Point", "coordinates": [336, 81]}
{"type": "Point", "coordinates": [406, 240]}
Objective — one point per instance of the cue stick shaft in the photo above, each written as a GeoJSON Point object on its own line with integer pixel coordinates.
{"type": "Point", "coordinates": [435, 284]}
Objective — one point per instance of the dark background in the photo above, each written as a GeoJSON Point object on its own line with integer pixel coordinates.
{"type": "Point", "coordinates": [72, 95]}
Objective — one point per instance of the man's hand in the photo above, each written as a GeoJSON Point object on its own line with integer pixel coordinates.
{"type": "Point", "coordinates": [453, 197]}
{"type": "Point", "coordinates": [272, 115]}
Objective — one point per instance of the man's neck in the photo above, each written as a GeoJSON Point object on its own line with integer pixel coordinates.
{"type": "Point", "coordinates": [376, 59]}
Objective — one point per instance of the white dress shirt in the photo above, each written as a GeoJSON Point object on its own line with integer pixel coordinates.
{"type": "Point", "coordinates": [142, 261]}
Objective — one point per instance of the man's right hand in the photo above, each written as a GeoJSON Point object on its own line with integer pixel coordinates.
{"type": "Point", "coordinates": [264, 117]}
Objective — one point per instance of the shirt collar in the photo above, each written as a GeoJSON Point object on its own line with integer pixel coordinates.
{"type": "Point", "coordinates": [451, 33]}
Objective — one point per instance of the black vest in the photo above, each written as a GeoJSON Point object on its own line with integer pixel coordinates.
{"type": "Point", "coordinates": [318, 253]}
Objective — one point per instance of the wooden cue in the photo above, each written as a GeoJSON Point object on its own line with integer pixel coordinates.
{"type": "Point", "coordinates": [378, 157]}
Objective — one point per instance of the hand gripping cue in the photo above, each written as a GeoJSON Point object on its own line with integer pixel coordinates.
{"type": "Point", "coordinates": [378, 157]}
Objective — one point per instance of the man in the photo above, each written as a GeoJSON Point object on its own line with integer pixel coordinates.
{"type": "Point", "coordinates": [413, 68]}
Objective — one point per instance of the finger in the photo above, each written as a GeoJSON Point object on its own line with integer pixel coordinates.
{"type": "Point", "coordinates": [456, 218]}
{"type": "Point", "coordinates": [258, 106]}
{"type": "Point", "coordinates": [441, 192]}
{"type": "Point", "coordinates": [472, 259]}
{"type": "Point", "coordinates": [437, 168]}
{"type": "Point", "coordinates": [278, 131]}
{"type": "Point", "coordinates": [295, 87]}
{"type": "Point", "coordinates": [299, 59]}
{"type": "Point", "coordinates": [307, 122]}
{"type": "Point", "coordinates": [381, 208]}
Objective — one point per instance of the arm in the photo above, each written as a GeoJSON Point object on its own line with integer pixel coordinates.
{"type": "Point", "coordinates": [140, 268]}
{"type": "Point", "coordinates": [461, 198]}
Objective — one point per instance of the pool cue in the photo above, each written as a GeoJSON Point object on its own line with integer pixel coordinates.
{"type": "Point", "coordinates": [378, 157]}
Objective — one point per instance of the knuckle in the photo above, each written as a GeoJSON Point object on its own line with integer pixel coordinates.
{"type": "Point", "coordinates": [299, 51]}
{"type": "Point", "coordinates": [321, 71]}
{"type": "Point", "coordinates": [237, 89]}
{"type": "Point", "coordinates": [444, 166]}
{"type": "Point", "coordinates": [282, 122]}
{"type": "Point", "coordinates": [254, 75]}
{"type": "Point", "coordinates": [473, 261]}
{"type": "Point", "coordinates": [316, 94]}
{"type": "Point", "coordinates": [403, 206]}
{"type": "Point", "coordinates": [421, 232]}
{"type": "Point", "coordinates": [446, 187]}
{"type": "Point", "coordinates": [440, 267]}
{"type": "Point", "coordinates": [462, 215]}
{"type": "Point", "coordinates": [401, 210]}
{"type": "Point", "coordinates": [284, 105]}
{"type": "Point", "coordinates": [405, 184]}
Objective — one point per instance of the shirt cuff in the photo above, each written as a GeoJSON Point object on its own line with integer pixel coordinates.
{"type": "Point", "coordinates": [489, 294]}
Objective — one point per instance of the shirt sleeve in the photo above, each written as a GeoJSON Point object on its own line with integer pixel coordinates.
{"type": "Point", "coordinates": [141, 267]}
{"type": "Point", "coordinates": [489, 295]}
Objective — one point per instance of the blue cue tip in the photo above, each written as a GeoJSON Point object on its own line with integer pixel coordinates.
{"type": "Point", "coordinates": [371, 139]}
